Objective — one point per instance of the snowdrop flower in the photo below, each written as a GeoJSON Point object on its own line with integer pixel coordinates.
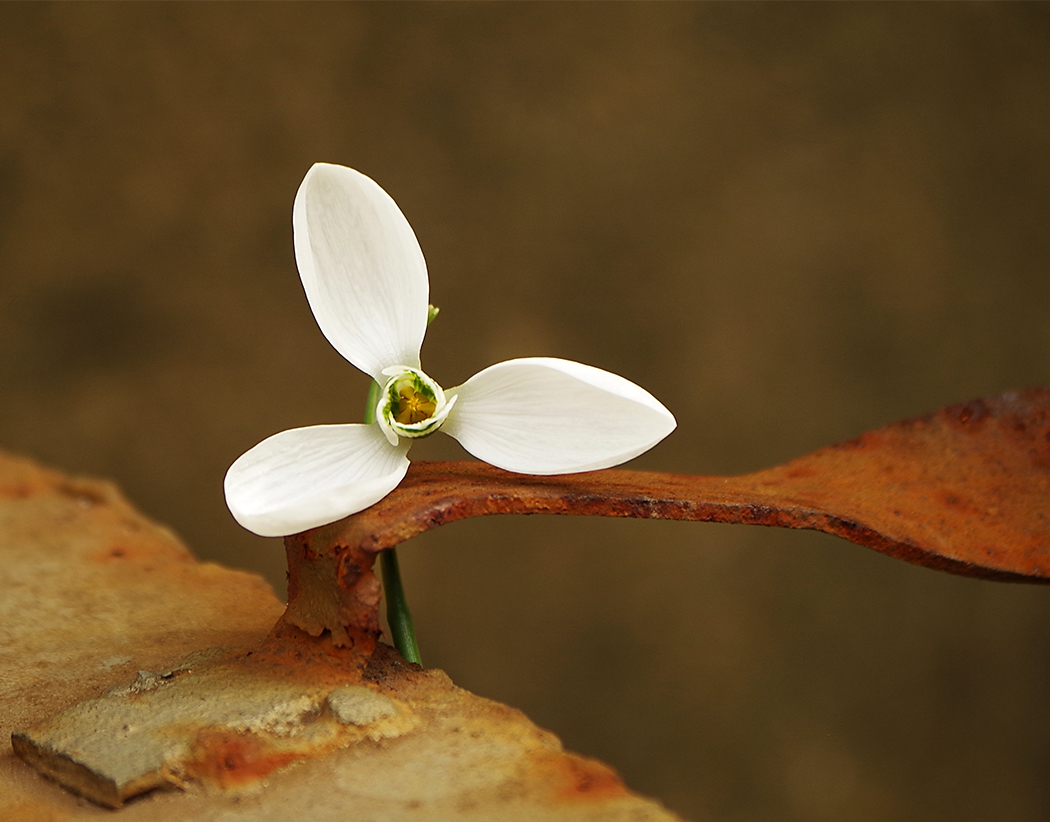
{"type": "Point", "coordinates": [366, 282]}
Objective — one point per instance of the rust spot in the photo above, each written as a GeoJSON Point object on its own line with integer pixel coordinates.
{"type": "Point", "coordinates": [233, 760]}
{"type": "Point", "coordinates": [120, 552]}
{"type": "Point", "coordinates": [574, 777]}
{"type": "Point", "coordinates": [973, 411]}
{"type": "Point", "coordinates": [21, 490]}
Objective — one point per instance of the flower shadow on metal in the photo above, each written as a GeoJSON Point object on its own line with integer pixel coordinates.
{"type": "Point", "coordinates": [964, 490]}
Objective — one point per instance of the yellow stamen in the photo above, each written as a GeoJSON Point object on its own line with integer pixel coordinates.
{"type": "Point", "coordinates": [412, 406]}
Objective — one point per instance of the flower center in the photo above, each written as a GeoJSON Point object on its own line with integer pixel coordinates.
{"type": "Point", "coordinates": [410, 404]}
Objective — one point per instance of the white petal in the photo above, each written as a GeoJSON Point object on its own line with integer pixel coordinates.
{"type": "Point", "coordinates": [361, 266]}
{"type": "Point", "coordinates": [548, 416]}
{"type": "Point", "coordinates": [306, 477]}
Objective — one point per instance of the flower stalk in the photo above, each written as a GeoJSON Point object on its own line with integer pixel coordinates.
{"type": "Point", "coordinates": [398, 616]}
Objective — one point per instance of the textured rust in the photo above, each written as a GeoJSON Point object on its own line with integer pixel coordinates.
{"type": "Point", "coordinates": [576, 778]}
{"type": "Point", "coordinates": [228, 759]}
{"type": "Point", "coordinates": [98, 692]}
{"type": "Point", "coordinates": [332, 587]}
{"type": "Point", "coordinates": [964, 490]}
{"type": "Point", "coordinates": [291, 653]}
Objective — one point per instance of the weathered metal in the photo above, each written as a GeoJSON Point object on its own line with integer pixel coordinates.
{"type": "Point", "coordinates": [219, 719]}
{"type": "Point", "coordinates": [334, 590]}
{"type": "Point", "coordinates": [100, 605]}
{"type": "Point", "coordinates": [964, 490]}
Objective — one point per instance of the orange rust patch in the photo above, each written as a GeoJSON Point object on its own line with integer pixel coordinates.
{"type": "Point", "coordinates": [291, 653]}
{"type": "Point", "coordinates": [21, 490]}
{"type": "Point", "coordinates": [233, 760]}
{"type": "Point", "coordinates": [571, 776]}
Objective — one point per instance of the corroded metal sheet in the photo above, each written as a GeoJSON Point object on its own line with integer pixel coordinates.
{"type": "Point", "coordinates": [92, 592]}
{"type": "Point", "coordinates": [220, 720]}
{"type": "Point", "coordinates": [964, 490]}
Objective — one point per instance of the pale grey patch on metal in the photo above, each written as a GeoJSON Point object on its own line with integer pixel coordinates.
{"type": "Point", "coordinates": [151, 680]}
{"type": "Point", "coordinates": [357, 705]}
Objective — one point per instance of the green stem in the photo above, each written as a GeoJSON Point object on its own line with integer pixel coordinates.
{"type": "Point", "coordinates": [397, 613]}
{"type": "Point", "coordinates": [372, 402]}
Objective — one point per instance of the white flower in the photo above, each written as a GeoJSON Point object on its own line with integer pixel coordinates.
{"type": "Point", "coordinates": [366, 281]}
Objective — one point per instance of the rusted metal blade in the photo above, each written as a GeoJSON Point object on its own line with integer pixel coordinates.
{"type": "Point", "coordinates": [964, 490]}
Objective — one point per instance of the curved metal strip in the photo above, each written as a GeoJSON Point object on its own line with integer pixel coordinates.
{"type": "Point", "coordinates": [964, 490]}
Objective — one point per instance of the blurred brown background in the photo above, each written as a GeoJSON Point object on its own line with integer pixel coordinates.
{"type": "Point", "coordinates": [791, 223]}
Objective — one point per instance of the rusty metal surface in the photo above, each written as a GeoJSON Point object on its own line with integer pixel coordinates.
{"type": "Point", "coordinates": [219, 719]}
{"type": "Point", "coordinates": [95, 595]}
{"type": "Point", "coordinates": [390, 741]}
{"type": "Point", "coordinates": [964, 490]}
{"type": "Point", "coordinates": [332, 589]}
